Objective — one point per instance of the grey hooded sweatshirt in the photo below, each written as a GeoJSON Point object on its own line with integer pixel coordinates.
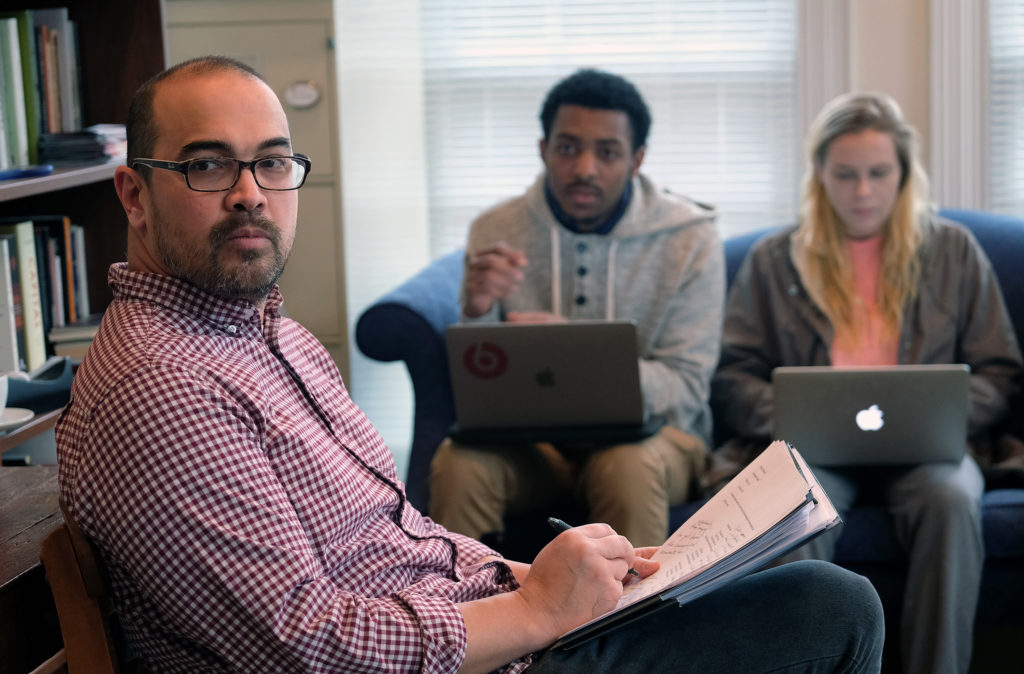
{"type": "Point", "coordinates": [662, 266]}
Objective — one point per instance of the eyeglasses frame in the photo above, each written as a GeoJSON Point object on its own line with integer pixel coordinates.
{"type": "Point", "coordinates": [182, 168]}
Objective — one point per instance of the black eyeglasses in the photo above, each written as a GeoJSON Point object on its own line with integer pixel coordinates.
{"type": "Point", "coordinates": [218, 174]}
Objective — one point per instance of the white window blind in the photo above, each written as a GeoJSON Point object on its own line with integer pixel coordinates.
{"type": "Point", "coordinates": [1006, 101]}
{"type": "Point", "coordinates": [453, 88]}
{"type": "Point", "coordinates": [719, 77]}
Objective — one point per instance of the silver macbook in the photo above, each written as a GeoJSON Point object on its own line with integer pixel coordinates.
{"type": "Point", "coordinates": [546, 381]}
{"type": "Point", "coordinates": [901, 414]}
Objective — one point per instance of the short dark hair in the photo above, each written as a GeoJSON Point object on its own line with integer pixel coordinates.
{"type": "Point", "coordinates": [140, 128]}
{"type": "Point", "coordinates": [599, 90]}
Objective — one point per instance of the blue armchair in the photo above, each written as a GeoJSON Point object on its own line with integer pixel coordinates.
{"type": "Point", "coordinates": [407, 324]}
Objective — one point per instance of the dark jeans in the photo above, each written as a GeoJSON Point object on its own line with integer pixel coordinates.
{"type": "Point", "coordinates": [801, 617]}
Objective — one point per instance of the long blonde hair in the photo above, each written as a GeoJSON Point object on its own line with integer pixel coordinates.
{"type": "Point", "coordinates": [821, 232]}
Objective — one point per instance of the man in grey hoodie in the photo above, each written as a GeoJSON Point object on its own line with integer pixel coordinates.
{"type": "Point", "coordinates": [592, 238]}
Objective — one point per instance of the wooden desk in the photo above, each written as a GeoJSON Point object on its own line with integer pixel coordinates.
{"type": "Point", "coordinates": [29, 511]}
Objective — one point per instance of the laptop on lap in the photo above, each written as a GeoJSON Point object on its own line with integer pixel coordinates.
{"type": "Point", "coordinates": [515, 383]}
{"type": "Point", "coordinates": [899, 415]}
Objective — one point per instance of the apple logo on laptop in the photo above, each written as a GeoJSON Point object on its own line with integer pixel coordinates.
{"type": "Point", "coordinates": [546, 378]}
{"type": "Point", "coordinates": [870, 419]}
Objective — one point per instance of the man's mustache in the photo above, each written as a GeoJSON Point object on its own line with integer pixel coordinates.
{"type": "Point", "coordinates": [223, 230]}
{"type": "Point", "coordinates": [584, 184]}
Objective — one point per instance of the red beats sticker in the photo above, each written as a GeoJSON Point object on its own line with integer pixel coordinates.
{"type": "Point", "coordinates": [485, 360]}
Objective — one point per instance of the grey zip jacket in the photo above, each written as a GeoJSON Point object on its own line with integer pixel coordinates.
{"type": "Point", "coordinates": [958, 316]}
{"type": "Point", "coordinates": [662, 266]}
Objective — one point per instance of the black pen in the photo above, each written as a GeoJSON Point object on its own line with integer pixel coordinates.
{"type": "Point", "coordinates": [559, 525]}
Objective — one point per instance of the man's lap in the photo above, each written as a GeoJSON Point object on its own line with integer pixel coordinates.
{"type": "Point", "coordinates": [811, 616]}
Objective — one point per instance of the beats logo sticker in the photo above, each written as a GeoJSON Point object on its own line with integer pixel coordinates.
{"type": "Point", "coordinates": [485, 360]}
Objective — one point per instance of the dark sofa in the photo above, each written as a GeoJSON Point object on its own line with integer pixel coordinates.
{"type": "Point", "coordinates": [407, 324]}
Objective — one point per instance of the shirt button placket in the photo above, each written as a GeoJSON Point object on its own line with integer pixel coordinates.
{"type": "Point", "coordinates": [581, 277]}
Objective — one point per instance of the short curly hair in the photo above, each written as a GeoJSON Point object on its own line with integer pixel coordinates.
{"type": "Point", "coordinates": [590, 88]}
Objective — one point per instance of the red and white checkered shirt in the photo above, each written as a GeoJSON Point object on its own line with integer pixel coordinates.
{"type": "Point", "coordinates": [249, 515]}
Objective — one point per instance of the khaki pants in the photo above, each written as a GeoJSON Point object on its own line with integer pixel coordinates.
{"type": "Point", "coordinates": [630, 486]}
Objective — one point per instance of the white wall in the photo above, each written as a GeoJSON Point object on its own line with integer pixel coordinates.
{"type": "Point", "coordinates": [890, 52]}
{"type": "Point", "coordinates": [385, 193]}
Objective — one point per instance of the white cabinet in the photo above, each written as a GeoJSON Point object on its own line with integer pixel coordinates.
{"type": "Point", "coordinates": [290, 43]}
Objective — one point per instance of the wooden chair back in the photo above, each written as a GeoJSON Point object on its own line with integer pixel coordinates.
{"type": "Point", "coordinates": [80, 594]}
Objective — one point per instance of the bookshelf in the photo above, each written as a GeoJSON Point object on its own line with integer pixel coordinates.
{"type": "Point", "coordinates": [121, 44]}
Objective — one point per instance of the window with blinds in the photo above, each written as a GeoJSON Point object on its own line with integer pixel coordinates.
{"type": "Point", "coordinates": [439, 102]}
{"type": "Point", "coordinates": [719, 77]}
{"type": "Point", "coordinates": [1006, 101]}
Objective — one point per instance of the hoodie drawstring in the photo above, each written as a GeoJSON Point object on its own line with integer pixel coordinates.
{"type": "Point", "coordinates": [609, 304]}
{"type": "Point", "coordinates": [556, 274]}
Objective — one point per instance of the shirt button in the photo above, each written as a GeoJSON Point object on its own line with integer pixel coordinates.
{"type": "Point", "coordinates": [793, 290]}
{"type": "Point", "coordinates": [581, 271]}
{"type": "Point", "coordinates": [232, 329]}
{"type": "Point", "coordinates": [581, 247]}
{"type": "Point", "coordinates": [581, 300]}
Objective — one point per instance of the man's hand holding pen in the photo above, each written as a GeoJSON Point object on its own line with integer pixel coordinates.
{"type": "Point", "coordinates": [560, 526]}
{"type": "Point", "coordinates": [579, 575]}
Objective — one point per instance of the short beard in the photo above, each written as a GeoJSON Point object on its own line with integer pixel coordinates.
{"type": "Point", "coordinates": [248, 280]}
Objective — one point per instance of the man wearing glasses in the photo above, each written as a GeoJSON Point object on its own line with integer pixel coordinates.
{"type": "Point", "coordinates": [247, 513]}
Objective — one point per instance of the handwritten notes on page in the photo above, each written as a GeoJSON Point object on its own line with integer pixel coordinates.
{"type": "Point", "coordinates": [773, 505]}
{"type": "Point", "coordinates": [768, 490]}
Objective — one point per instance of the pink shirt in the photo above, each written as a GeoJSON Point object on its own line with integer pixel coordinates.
{"type": "Point", "coordinates": [870, 343]}
{"type": "Point", "coordinates": [247, 511]}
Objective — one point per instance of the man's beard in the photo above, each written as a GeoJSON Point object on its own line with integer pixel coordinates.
{"type": "Point", "coordinates": [251, 278]}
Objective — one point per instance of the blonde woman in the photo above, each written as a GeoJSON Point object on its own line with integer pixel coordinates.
{"type": "Point", "coordinates": [871, 276]}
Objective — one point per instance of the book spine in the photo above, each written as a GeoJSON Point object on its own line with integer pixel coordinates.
{"type": "Point", "coordinates": [57, 308]}
{"type": "Point", "coordinates": [81, 278]}
{"type": "Point", "coordinates": [32, 307]}
{"type": "Point", "coordinates": [48, 70]}
{"type": "Point", "coordinates": [9, 359]}
{"type": "Point", "coordinates": [43, 275]}
{"type": "Point", "coordinates": [14, 276]}
{"type": "Point", "coordinates": [53, 81]}
{"type": "Point", "coordinates": [30, 79]}
{"type": "Point", "coordinates": [5, 158]}
{"type": "Point", "coordinates": [74, 77]}
{"type": "Point", "coordinates": [41, 83]}
{"type": "Point", "coordinates": [14, 91]}
{"type": "Point", "coordinates": [62, 236]}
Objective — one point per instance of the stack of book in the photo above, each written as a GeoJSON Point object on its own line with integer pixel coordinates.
{"type": "Point", "coordinates": [96, 143]}
{"type": "Point", "coordinates": [39, 81]}
{"type": "Point", "coordinates": [71, 148]}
